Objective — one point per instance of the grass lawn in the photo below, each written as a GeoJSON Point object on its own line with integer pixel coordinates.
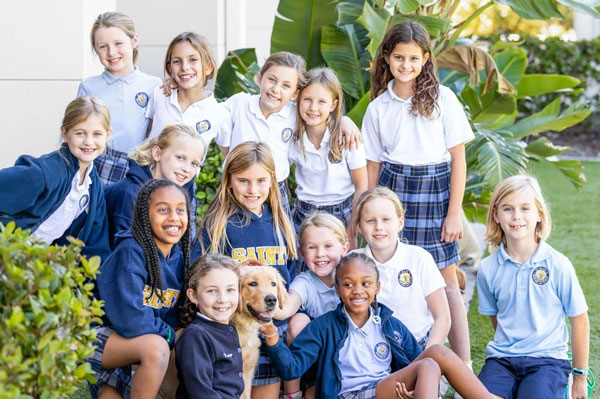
{"type": "Point", "coordinates": [576, 232]}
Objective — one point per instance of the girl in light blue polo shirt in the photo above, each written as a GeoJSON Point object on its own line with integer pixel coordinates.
{"type": "Point", "coordinates": [125, 89]}
{"type": "Point", "coordinates": [527, 288]}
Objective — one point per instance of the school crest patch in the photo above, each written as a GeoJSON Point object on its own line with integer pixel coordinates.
{"type": "Point", "coordinates": [405, 278]}
{"type": "Point", "coordinates": [286, 134]}
{"type": "Point", "coordinates": [397, 336]}
{"type": "Point", "coordinates": [141, 99]}
{"type": "Point", "coordinates": [203, 126]}
{"type": "Point", "coordinates": [83, 201]}
{"type": "Point", "coordinates": [382, 350]}
{"type": "Point", "coordinates": [540, 275]}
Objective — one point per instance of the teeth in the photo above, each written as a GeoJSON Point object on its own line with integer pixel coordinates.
{"type": "Point", "coordinates": [173, 229]}
{"type": "Point", "coordinates": [358, 300]}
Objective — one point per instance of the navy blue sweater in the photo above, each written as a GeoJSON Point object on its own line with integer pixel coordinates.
{"type": "Point", "coordinates": [34, 188]}
{"type": "Point", "coordinates": [321, 340]}
{"type": "Point", "coordinates": [209, 361]}
{"type": "Point", "coordinates": [120, 200]}
{"type": "Point", "coordinates": [129, 304]}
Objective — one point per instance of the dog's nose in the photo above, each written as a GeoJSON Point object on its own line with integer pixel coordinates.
{"type": "Point", "coordinates": [271, 300]}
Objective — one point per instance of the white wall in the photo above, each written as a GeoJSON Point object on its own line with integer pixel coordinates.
{"type": "Point", "coordinates": [586, 26]}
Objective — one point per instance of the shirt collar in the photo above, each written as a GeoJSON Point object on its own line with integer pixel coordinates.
{"type": "Point", "coordinates": [540, 254]}
{"type": "Point", "coordinates": [365, 328]}
{"type": "Point", "coordinates": [254, 107]}
{"type": "Point", "coordinates": [391, 96]}
{"type": "Point", "coordinates": [321, 287]}
{"type": "Point", "coordinates": [86, 181]}
{"type": "Point", "coordinates": [205, 102]}
{"type": "Point", "coordinates": [129, 78]}
{"type": "Point", "coordinates": [324, 140]}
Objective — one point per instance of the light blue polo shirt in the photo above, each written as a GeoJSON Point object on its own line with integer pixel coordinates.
{"type": "Point", "coordinates": [530, 301]}
{"type": "Point", "coordinates": [317, 298]}
{"type": "Point", "coordinates": [366, 356]}
{"type": "Point", "coordinates": [127, 99]}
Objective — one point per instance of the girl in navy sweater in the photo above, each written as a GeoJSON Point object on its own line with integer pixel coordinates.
{"type": "Point", "coordinates": [175, 154]}
{"type": "Point", "coordinates": [60, 194]}
{"type": "Point", "coordinates": [362, 351]}
{"type": "Point", "coordinates": [209, 356]}
{"type": "Point", "coordinates": [247, 221]}
{"type": "Point", "coordinates": [140, 284]}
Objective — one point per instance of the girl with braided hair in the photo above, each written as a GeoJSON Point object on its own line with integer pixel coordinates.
{"type": "Point", "coordinates": [140, 283]}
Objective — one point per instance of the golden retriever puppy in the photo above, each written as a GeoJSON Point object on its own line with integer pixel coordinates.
{"type": "Point", "coordinates": [261, 290]}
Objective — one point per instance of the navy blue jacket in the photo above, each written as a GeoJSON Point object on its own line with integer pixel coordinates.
{"type": "Point", "coordinates": [120, 199]}
{"type": "Point", "coordinates": [130, 306]}
{"type": "Point", "coordinates": [321, 340]}
{"type": "Point", "coordinates": [34, 188]}
{"type": "Point", "coordinates": [209, 361]}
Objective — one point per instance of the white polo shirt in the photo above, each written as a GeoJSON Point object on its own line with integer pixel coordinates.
{"type": "Point", "coordinates": [75, 203]}
{"type": "Point", "coordinates": [317, 298]}
{"type": "Point", "coordinates": [127, 99]}
{"type": "Point", "coordinates": [406, 280]}
{"type": "Point", "coordinates": [366, 356]}
{"type": "Point", "coordinates": [321, 182]}
{"type": "Point", "coordinates": [207, 117]}
{"type": "Point", "coordinates": [249, 124]}
{"type": "Point", "coordinates": [391, 134]}
{"type": "Point", "coordinates": [530, 301]}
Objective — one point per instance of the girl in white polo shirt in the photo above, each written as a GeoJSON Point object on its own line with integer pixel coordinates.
{"type": "Point", "coordinates": [415, 132]}
{"type": "Point", "coordinates": [411, 284]}
{"type": "Point", "coordinates": [190, 64]}
{"type": "Point", "coordinates": [329, 177]}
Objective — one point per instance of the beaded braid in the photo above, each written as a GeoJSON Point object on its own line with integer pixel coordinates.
{"type": "Point", "coordinates": [142, 233]}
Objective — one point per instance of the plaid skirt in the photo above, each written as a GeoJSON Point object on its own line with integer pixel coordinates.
{"type": "Point", "coordinates": [119, 378]}
{"type": "Point", "coordinates": [111, 166]}
{"type": "Point", "coordinates": [367, 392]}
{"type": "Point", "coordinates": [302, 209]}
{"type": "Point", "coordinates": [424, 191]}
{"type": "Point", "coordinates": [266, 373]}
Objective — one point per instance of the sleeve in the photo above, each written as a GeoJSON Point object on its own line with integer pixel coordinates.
{"type": "Point", "coordinates": [356, 157]}
{"type": "Point", "coordinates": [151, 106]}
{"type": "Point", "coordinates": [122, 287]}
{"type": "Point", "coordinates": [569, 290]}
{"type": "Point", "coordinates": [371, 135]}
{"type": "Point", "coordinates": [82, 90]}
{"type": "Point", "coordinates": [431, 278]}
{"type": "Point", "coordinates": [301, 285]}
{"type": "Point", "coordinates": [96, 243]}
{"type": "Point", "coordinates": [457, 128]}
{"type": "Point", "coordinates": [119, 209]}
{"type": "Point", "coordinates": [195, 358]}
{"type": "Point", "coordinates": [223, 137]}
{"type": "Point", "coordinates": [487, 303]}
{"type": "Point", "coordinates": [16, 196]}
{"type": "Point", "coordinates": [294, 361]}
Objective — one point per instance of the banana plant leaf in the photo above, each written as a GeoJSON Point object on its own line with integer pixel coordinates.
{"type": "Point", "coordinates": [538, 84]}
{"type": "Point", "coordinates": [591, 7]}
{"type": "Point", "coordinates": [297, 27]}
{"type": "Point", "coordinates": [358, 111]}
{"type": "Point", "coordinates": [349, 11]}
{"type": "Point", "coordinates": [544, 148]}
{"type": "Point", "coordinates": [533, 9]}
{"type": "Point", "coordinates": [435, 26]}
{"type": "Point", "coordinates": [236, 74]}
{"type": "Point", "coordinates": [550, 118]}
{"type": "Point", "coordinates": [409, 6]}
{"type": "Point", "coordinates": [375, 21]}
{"type": "Point", "coordinates": [511, 64]}
{"type": "Point", "coordinates": [344, 50]}
{"type": "Point", "coordinates": [489, 108]}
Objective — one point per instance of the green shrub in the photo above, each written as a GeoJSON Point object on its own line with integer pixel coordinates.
{"type": "Point", "coordinates": [209, 178]}
{"type": "Point", "coordinates": [46, 306]}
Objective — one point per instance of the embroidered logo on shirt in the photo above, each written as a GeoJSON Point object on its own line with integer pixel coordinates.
{"type": "Point", "coordinates": [141, 99]}
{"type": "Point", "coordinates": [83, 201]}
{"type": "Point", "coordinates": [405, 278]}
{"type": "Point", "coordinates": [540, 275]}
{"type": "Point", "coordinates": [227, 355]}
{"type": "Point", "coordinates": [286, 134]}
{"type": "Point", "coordinates": [382, 350]}
{"type": "Point", "coordinates": [151, 299]}
{"type": "Point", "coordinates": [202, 126]}
{"type": "Point", "coordinates": [397, 336]}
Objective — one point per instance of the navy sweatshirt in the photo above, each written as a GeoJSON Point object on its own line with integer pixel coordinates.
{"type": "Point", "coordinates": [34, 188]}
{"type": "Point", "coordinates": [209, 361]}
{"type": "Point", "coordinates": [129, 304]}
{"type": "Point", "coordinates": [120, 200]}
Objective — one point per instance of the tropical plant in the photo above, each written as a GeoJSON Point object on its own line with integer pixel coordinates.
{"type": "Point", "coordinates": [488, 80]}
{"type": "Point", "coordinates": [46, 307]}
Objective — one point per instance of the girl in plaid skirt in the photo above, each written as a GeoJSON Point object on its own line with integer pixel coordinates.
{"type": "Point", "coordinates": [415, 132]}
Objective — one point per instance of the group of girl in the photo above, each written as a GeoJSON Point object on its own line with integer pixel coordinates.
{"type": "Point", "coordinates": [365, 325]}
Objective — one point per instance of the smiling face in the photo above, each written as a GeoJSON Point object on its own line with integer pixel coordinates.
{"type": "Point", "coordinates": [86, 140]}
{"type": "Point", "coordinates": [115, 50]}
{"type": "Point", "coordinates": [216, 294]}
{"type": "Point", "coordinates": [315, 105]}
{"type": "Point", "coordinates": [357, 286]}
{"type": "Point", "coordinates": [186, 66]}
{"type": "Point", "coordinates": [251, 187]}
{"type": "Point", "coordinates": [380, 225]}
{"type": "Point", "coordinates": [406, 61]}
{"type": "Point", "coordinates": [180, 161]}
{"type": "Point", "coordinates": [322, 251]}
{"type": "Point", "coordinates": [518, 217]}
{"type": "Point", "coordinates": [168, 217]}
{"type": "Point", "coordinates": [278, 85]}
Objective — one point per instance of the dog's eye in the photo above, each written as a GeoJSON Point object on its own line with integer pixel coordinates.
{"type": "Point", "coordinates": [252, 283]}
{"type": "Point", "coordinates": [273, 283]}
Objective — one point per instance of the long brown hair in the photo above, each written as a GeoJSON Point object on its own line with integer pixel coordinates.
{"type": "Point", "coordinates": [426, 85]}
{"type": "Point", "coordinates": [200, 44]}
{"type": "Point", "coordinates": [326, 78]}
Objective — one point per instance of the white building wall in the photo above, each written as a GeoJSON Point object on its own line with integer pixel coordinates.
{"type": "Point", "coordinates": [586, 26]}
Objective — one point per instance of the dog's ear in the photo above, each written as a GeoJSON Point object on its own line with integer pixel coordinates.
{"type": "Point", "coordinates": [282, 294]}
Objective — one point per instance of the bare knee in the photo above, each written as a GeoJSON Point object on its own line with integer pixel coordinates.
{"type": "Point", "coordinates": [429, 366]}
{"type": "Point", "coordinates": [437, 351]}
{"type": "Point", "coordinates": [156, 352]}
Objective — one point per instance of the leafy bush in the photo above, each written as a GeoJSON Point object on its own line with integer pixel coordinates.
{"type": "Point", "coordinates": [209, 178]}
{"type": "Point", "coordinates": [46, 306]}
